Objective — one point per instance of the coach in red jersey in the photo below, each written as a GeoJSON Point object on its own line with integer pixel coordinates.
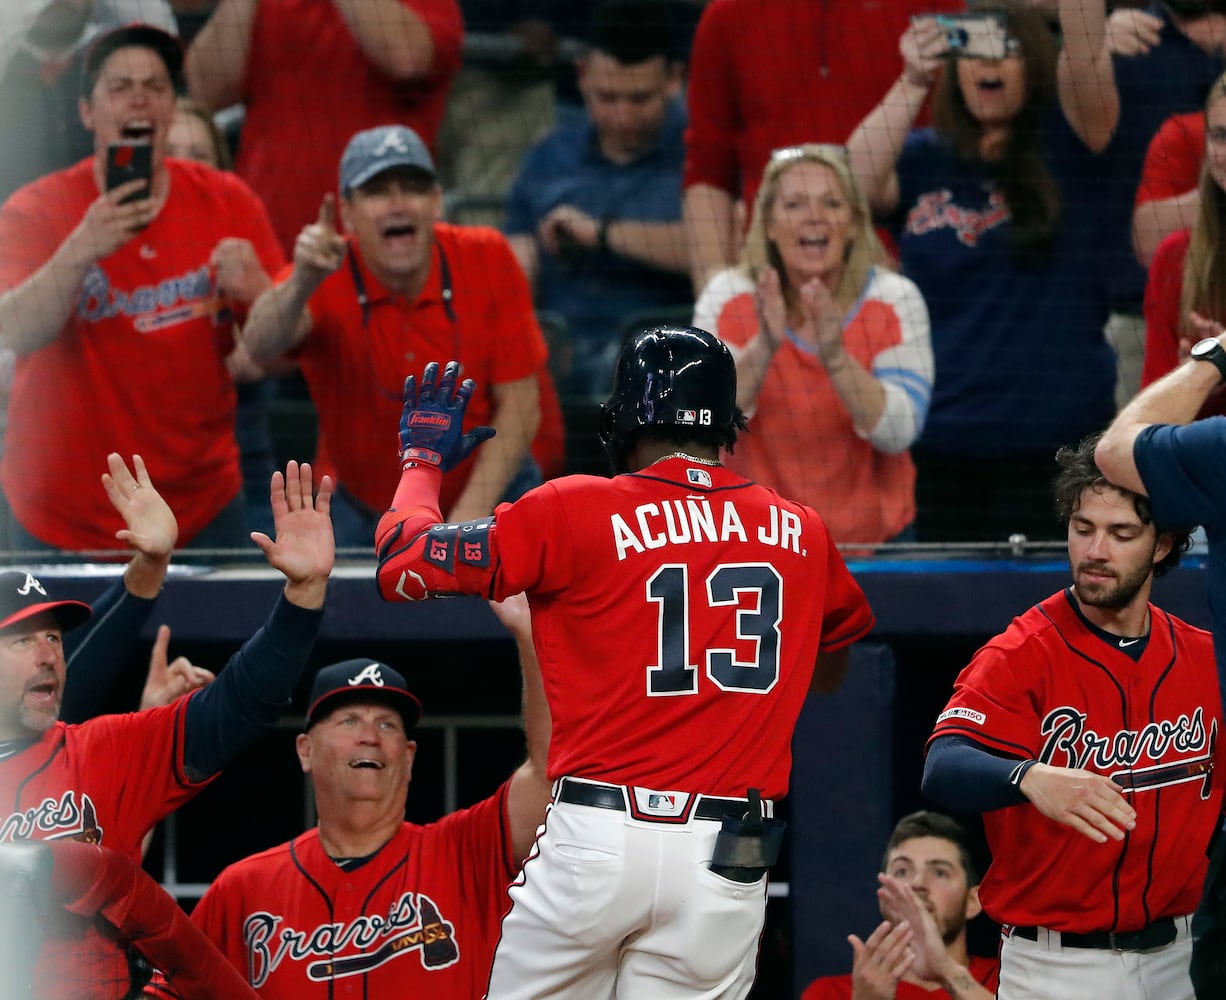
{"type": "Point", "coordinates": [111, 779]}
{"type": "Point", "coordinates": [366, 904]}
{"type": "Point", "coordinates": [1088, 733]}
{"type": "Point", "coordinates": [120, 306]}
{"type": "Point", "coordinates": [678, 613]}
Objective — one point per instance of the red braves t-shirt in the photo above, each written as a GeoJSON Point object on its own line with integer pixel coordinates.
{"type": "Point", "coordinates": [1050, 689]}
{"type": "Point", "coordinates": [355, 368]}
{"type": "Point", "coordinates": [107, 781]}
{"type": "Point", "coordinates": [677, 614]}
{"type": "Point", "coordinates": [138, 367]}
{"type": "Point", "coordinates": [986, 972]}
{"type": "Point", "coordinates": [419, 919]}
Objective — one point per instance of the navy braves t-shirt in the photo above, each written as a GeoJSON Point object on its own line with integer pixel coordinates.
{"type": "Point", "coordinates": [1021, 363]}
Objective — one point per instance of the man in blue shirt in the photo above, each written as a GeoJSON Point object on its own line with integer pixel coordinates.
{"type": "Point", "coordinates": [1152, 447]}
{"type": "Point", "coordinates": [595, 214]}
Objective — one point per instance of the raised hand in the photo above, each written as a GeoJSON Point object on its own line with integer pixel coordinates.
{"type": "Point", "coordinates": [151, 526]}
{"type": "Point", "coordinates": [240, 275]}
{"type": "Point", "coordinates": [304, 549]}
{"type": "Point", "coordinates": [320, 249]}
{"type": "Point", "coordinates": [1092, 804]}
{"type": "Point", "coordinates": [880, 962]}
{"type": "Point", "coordinates": [431, 423]}
{"type": "Point", "coordinates": [169, 681]}
{"type": "Point", "coordinates": [515, 616]}
{"type": "Point", "coordinates": [922, 45]}
{"type": "Point", "coordinates": [1132, 32]}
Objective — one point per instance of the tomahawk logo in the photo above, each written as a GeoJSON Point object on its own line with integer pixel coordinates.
{"type": "Point", "coordinates": [369, 674]}
{"type": "Point", "coordinates": [31, 584]}
{"type": "Point", "coordinates": [413, 923]}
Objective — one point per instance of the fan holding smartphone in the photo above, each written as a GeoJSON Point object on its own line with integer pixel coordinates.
{"type": "Point", "coordinates": [124, 276]}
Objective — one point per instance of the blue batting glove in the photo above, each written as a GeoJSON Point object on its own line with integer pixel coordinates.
{"type": "Point", "coordinates": [432, 420]}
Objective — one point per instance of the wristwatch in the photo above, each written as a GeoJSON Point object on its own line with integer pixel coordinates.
{"type": "Point", "coordinates": [1212, 351]}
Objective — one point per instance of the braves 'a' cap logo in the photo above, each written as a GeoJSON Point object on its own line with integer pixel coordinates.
{"type": "Point", "coordinates": [391, 143]}
{"type": "Point", "coordinates": [369, 674]}
{"type": "Point", "coordinates": [31, 584]}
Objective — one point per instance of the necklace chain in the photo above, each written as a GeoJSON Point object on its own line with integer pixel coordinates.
{"type": "Point", "coordinates": [689, 458]}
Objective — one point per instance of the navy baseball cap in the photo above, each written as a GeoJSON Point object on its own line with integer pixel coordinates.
{"type": "Point", "coordinates": [371, 152]}
{"type": "Point", "coordinates": [141, 35]}
{"type": "Point", "coordinates": [22, 596]}
{"type": "Point", "coordinates": [366, 679]}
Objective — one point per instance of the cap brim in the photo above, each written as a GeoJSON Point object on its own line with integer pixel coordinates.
{"type": "Point", "coordinates": [69, 614]}
{"type": "Point", "coordinates": [404, 702]}
{"type": "Point", "coordinates": [370, 173]}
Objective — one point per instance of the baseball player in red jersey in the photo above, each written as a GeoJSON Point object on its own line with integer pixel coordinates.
{"type": "Point", "coordinates": [678, 612]}
{"type": "Point", "coordinates": [110, 779]}
{"type": "Point", "coordinates": [1088, 734]}
{"type": "Point", "coordinates": [367, 903]}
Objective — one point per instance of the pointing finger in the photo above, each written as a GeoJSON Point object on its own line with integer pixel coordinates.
{"type": "Point", "coordinates": [327, 213]}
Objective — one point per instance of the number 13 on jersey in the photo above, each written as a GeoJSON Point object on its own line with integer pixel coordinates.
{"type": "Point", "coordinates": [755, 593]}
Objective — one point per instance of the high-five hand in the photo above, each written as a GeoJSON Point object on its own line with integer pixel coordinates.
{"type": "Point", "coordinates": [304, 549]}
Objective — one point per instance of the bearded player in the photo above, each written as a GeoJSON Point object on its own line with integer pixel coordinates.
{"type": "Point", "coordinates": [110, 779]}
{"type": "Point", "coordinates": [678, 613]}
{"type": "Point", "coordinates": [1087, 733]}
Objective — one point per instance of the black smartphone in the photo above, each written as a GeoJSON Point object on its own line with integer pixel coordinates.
{"type": "Point", "coordinates": [129, 161]}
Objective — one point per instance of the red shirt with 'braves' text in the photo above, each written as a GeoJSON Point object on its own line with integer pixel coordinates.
{"type": "Point", "coordinates": [1048, 688]}
{"type": "Point", "coordinates": [138, 368]}
{"type": "Point", "coordinates": [107, 781]}
{"type": "Point", "coordinates": [419, 919]}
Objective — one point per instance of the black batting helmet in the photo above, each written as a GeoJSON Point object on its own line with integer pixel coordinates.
{"type": "Point", "coordinates": [673, 377]}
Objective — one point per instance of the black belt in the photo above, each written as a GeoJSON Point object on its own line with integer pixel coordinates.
{"type": "Point", "coordinates": [580, 793]}
{"type": "Point", "coordinates": [1156, 935]}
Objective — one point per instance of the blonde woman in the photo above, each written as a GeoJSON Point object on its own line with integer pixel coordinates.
{"type": "Point", "coordinates": [834, 362]}
{"type": "Point", "coordinates": [1185, 297]}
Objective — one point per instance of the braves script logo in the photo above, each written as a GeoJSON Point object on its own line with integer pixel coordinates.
{"type": "Point", "coordinates": [1069, 742]}
{"type": "Point", "coordinates": [54, 819]}
{"type": "Point", "coordinates": [152, 307]}
{"type": "Point", "coordinates": [412, 924]}
{"type": "Point", "coordinates": [937, 210]}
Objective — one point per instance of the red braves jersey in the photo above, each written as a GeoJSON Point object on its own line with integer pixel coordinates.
{"type": "Point", "coordinates": [355, 355]}
{"type": "Point", "coordinates": [137, 368]}
{"type": "Point", "coordinates": [1050, 689]}
{"type": "Point", "coordinates": [677, 614]}
{"type": "Point", "coordinates": [985, 971]}
{"type": "Point", "coordinates": [105, 781]}
{"type": "Point", "coordinates": [419, 919]}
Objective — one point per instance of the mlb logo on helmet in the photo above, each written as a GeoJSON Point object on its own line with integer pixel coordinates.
{"type": "Point", "coordinates": [687, 416]}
